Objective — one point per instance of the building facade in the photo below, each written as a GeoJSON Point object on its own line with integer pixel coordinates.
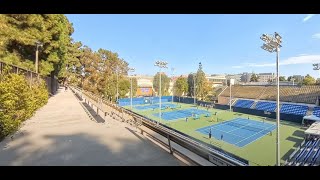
{"type": "Point", "coordinates": [266, 77]}
{"type": "Point", "coordinates": [216, 79]}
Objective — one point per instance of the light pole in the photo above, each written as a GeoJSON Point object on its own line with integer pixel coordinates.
{"type": "Point", "coordinates": [273, 44]}
{"type": "Point", "coordinates": [160, 64]}
{"type": "Point", "coordinates": [172, 69]}
{"type": "Point", "coordinates": [38, 44]}
{"type": "Point", "coordinates": [293, 81]}
{"type": "Point", "coordinates": [131, 70]}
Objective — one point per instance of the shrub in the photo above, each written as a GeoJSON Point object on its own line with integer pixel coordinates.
{"type": "Point", "coordinates": [19, 99]}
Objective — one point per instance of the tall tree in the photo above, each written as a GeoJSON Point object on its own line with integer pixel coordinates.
{"type": "Point", "coordinates": [254, 78]}
{"type": "Point", "coordinates": [282, 78]}
{"type": "Point", "coordinates": [308, 80]}
{"type": "Point", "coordinates": [165, 83]}
{"type": "Point", "coordinates": [134, 86]}
{"type": "Point", "coordinates": [71, 68]}
{"type": "Point", "coordinates": [180, 86]}
{"type": "Point", "coordinates": [20, 32]}
{"type": "Point", "coordinates": [202, 89]}
{"type": "Point", "coordinates": [124, 88]}
{"type": "Point", "coordinates": [191, 80]}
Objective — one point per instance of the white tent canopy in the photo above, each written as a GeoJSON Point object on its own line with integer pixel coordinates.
{"type": "Point", "coordinates": [311, 118]}
{"type": "Point", "coordinates": [314, 129]}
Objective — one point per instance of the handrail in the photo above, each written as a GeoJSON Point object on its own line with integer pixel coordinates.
{"type": "Point", "coordinates": [180, 138]}
{"type": "Point", "coordinates": [12, 65]}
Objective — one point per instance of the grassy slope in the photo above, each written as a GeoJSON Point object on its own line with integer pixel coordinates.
{"type": "Point", "coordinates": [259, 152]}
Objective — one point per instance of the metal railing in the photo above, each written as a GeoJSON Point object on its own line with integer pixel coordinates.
{"type": "Point", "coordinates": [18, 70]}
{"type": "Point", "coordinates": [204, 150]}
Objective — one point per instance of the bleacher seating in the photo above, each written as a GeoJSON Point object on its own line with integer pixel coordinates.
{"type": "Point", "coordinates": [316, 111]}
{"type": "Point", "coordinates": [298, 94]}
{"type": "Point", "coordinates": [307, 154]}
{"type": "Point", "coordinates": [294, 109]}
{"type": "Point", "coordinates": [266, 106]}
{"type": "Point", "coordinates": [244, 103]}
{"type": "Point", "coordinates": [250, 92]}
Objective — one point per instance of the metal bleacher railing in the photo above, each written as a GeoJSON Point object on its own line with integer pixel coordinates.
{"type": "Point", "coordinates": [210, 153]}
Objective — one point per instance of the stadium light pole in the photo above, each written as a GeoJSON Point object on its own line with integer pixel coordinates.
{"type": "Point", "coordinates": [172, 69]}
{"type": "Point", "coordinates": [38, 44]}
{"type": "Point", "coordinates": [273, 44]}
{"type": "Point", "coordinates": [131, 70]}
{"type": "Point", "coordinates": [293, 81]}
{"type": "Point", "coordinates": [160, 64]}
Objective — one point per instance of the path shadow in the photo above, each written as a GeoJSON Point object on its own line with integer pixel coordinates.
{"type": "Point", "coordinates": [93, 113]}
{"type": "Point", "coordinates": [77, 96]}
{"type": "Point", "coordinates": [298, 133]}
{"type": "Point", "coordinates": [296, 140]}
{"type": "Point", "coordinates": [134, 133]}
{"type": "Point", "coordinates": [82, 149]}
{"type": "Point", "coordinates": [286, 156]}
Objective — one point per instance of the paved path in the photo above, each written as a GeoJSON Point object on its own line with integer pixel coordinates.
{"type": "Point", "coordinates": [61, 133]}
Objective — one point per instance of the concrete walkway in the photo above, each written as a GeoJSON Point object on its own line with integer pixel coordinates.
{"type": "Point", "coordinates": [61, 133]}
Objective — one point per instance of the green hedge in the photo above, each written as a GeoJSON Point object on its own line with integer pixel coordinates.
{"type": "Point", "coordinates": [19, 99]}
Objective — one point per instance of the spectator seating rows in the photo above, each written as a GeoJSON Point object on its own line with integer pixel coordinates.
{"type": "Point", "coordinates": [298, 94]}
{"type": "Point", "coordinates": [266, 106]}
{"type": "Point", "coordinates": [316, 111]}
{"type": "Point", "coordinates": [244, 103]}
{"type": "Point", "coordinates": [294, 109]}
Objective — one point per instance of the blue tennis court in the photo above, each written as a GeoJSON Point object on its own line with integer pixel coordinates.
{"type": "Point", "coordinates": [180, 114]}
{"type": "Point", "coordinates": [155, 106]}
{"type": "Point", "coordinates": [239, 131]}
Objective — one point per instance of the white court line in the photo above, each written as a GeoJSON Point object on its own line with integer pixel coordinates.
{"type": "Point", "coordinates": [226, 132]}
{"type": "Point", "coordinates": [253, 135]}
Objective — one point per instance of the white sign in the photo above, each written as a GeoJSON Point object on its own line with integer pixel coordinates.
{"type": "Point", "coordinates": [231, 81]}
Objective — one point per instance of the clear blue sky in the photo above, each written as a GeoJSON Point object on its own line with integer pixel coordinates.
{"type": "Point", "coordinates": [223, 43]}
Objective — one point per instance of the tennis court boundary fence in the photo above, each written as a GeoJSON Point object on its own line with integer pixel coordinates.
{"type": "Point", "coordinates": [212, 154]}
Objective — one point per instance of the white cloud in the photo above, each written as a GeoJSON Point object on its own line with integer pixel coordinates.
{"type": "Point", "coordinates": [237, 66]}
{"type": "Point", "coordinates": [309, 16]}
{"type": "Point", "coordinates": [316, 36]}
{"type": "Point", "coordinates": [301, 59]}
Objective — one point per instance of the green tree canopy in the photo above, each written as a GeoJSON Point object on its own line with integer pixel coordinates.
{"type": "Point", "coordinates": [254, 78]}
{"type": "Point", "coordinates": [180, 86]}
{"type": "Point", "coordinates": [202, 86]}
{"type": "Point", "coordinates": [165, 83]}
{"type": "Point", "coordinates": [191, 80]}
{"type": "Point", "coordinates": [20, 32]}
{"type": "Point", "coordinates": [308, 80]}
{"type": "Point", "coordinates": [282, 78]}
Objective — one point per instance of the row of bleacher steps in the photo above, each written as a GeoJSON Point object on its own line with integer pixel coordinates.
{"type": "Point", "coordinates": [250, 92]}
{"type": "Point", "coordinates": [307, 155]}
{"type": "Point", "coordinates": [303, 94]}
{"type": "Point", "coordinates": [266, 106]}
{"type": "Point", "coordinates": [294, 109]}
{"type": "Point", "coordinates": [316, 111]}
{"type": "Point", "coordinates": [243, 103]}
{"type": "Point", "coordinates": [313, 155]}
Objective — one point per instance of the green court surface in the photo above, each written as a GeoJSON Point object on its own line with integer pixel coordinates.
{"type": "Point", "coordinates": [261, 152]}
